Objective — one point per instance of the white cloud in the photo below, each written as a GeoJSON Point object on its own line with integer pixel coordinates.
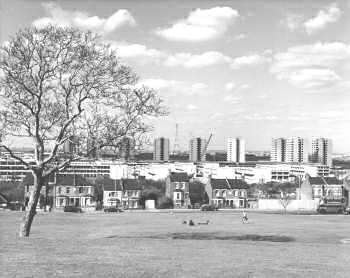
{"type": "Point", "coordinates": [230, 86]}
{"type": "Point", "coordinates": [325, 16]}
{"type": "Point", "coordinates": [232, 99]}
{"type": "Point", "coordinates": [175, 87]}
{"type": "Point", "coordinates": [200, 25]}
{"type": "Point", "coordinates": [260, 117]}
{"type": "Point", "coordinates": [240, 37]}
{"type": "Point", "coordinates": [253, 59]}
{"type": "Point", "coordinates": [312, 66]}
{"type": "Point", "coordinates": [192, 107]}
{"type": "Point", "coordinates": [293, 21]}
{"type": "Point", "coordinates": [160, 84]}
{"type": "Point", "coordinates": [65, 18]}
{"type": "Point", "coordinates": [137, 51]}
{"type": "Point", "coordinates": [189, 60]}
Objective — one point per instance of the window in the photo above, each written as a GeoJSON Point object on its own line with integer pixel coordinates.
{"type": "Point", "coordinates": [59, 190]}
{"type": "Point", "coordinates": [242, 193]}
{"type": "Point", "coordinates": [236, 193]}
{"type": "Point", "coordinates": [67, 189]}
{"type": "Point", "coordinates": [81, 189]}
{"type": "Point", "coordinates": [178, 196]}
{"type": "Point", "coordinates": [217, 193]}
{"type": "Point", "coordinates": [224, 193]}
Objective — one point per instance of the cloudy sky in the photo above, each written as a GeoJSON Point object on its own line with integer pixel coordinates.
{"type": "Point", "coordinates": [256, 69]}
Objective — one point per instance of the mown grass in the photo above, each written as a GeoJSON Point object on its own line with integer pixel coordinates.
{"type": "Point", "coordinates": [141, 244]}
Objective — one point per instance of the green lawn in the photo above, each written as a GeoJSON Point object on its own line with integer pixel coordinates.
{"type": "Point", "coordinates": [144, 244]}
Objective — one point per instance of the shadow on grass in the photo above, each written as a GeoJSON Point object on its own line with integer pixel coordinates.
{"type": "Point", "coordinates": [212, 236]}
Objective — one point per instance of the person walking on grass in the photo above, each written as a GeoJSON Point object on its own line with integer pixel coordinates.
{"type": "Point", "coordinates": [244, 217]}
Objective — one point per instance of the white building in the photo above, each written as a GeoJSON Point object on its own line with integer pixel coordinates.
{"type": "Point", "coordinates": [296, 150]}
{"type": "Point", "coordinates": [236, 150]}
{"type": "Point", "coordinates": [278, 150]}
{"type": "Point", "coordinates": [161, 149]}
{"type": "Point", "coordinates": [321, 151]}
{"type": "Point", "coordinates": [197, 149]}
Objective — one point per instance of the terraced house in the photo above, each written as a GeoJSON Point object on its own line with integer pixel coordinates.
{"type": "Point", "coordinates": [74, 190]}
{"type": "Point", "coordinates": [124, 192]}
{"type": "Point", "coordinates": [177, 189]}
{"type": "Point", "coordinates": [227, 193]}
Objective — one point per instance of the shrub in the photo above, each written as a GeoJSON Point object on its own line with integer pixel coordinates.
{"type": "Point", "coordinates": [165, 203]}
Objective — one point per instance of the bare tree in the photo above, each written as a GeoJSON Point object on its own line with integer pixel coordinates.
{"type": "Point", "coordinates": [61, 83]}
{"type": "Point", "coordinates": [285, 200]}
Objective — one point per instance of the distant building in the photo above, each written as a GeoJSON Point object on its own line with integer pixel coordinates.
{"type": "Point", "coordinates": [296, 150]}
{"type": "Point", "coordinates": [321, 151]}
{"type": "Point", "coordinates": [236, 150]}
{"type": "Point", "coordinates": [177, 189]}
{"type": "Point", "coordinates": [278, 150]}
{"type": "Point", "coordinates": [127, 148]}
{"type": "Point", "coordinates": [197, 149]}
{"type": "Point", "coordinates": [70, 146]}
{"type": "Point", "coordinates": [161, 149]}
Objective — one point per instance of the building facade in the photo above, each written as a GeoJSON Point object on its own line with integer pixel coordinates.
{"type": "Point", "coordinates": [278, 150]}
{"type": "Point", "coordinates": [161, 149]}
{"type": "Point", "coordinates": [124, 193]}
{"type": "Point", "coordinates": [321, 151]}
{"type": "Point", "coordinates": [227, 193]}
{"type": "Point", "coordinates": [236, 150]}
{"type": "Point", "coordinates": [296, 150]}
{"type": "Point", "coordinates": [177, 189]}
{"type": "Point", "coordinates": [197, 149]}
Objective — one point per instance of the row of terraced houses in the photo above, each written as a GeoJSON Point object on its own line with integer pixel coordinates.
{"type": "Point", "coordinates": [76, 190]}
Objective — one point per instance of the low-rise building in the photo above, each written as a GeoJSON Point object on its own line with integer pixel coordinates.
{"type": "Point", "coordinates": [123, 192]}
{"type": "Point", "coordinates": [227, 193]}
{"type": "Point", "coordinates": [177, 189]}
{"type": "Point", "coordinates": [73, 190]}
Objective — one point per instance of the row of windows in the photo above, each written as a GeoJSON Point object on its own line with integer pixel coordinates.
{"type": "Point", "coordinates": [129, 193]}
{"type": "Point", "coordinates": [224, 193]}
{"type": "Point", "coordinates": [79, 189]}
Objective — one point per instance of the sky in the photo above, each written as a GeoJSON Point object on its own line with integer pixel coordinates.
{"type": "Point", "coordinates": [254, 69]}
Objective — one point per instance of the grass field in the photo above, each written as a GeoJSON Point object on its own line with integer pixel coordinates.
{"type": "Point", "coordinates": [144, 244]}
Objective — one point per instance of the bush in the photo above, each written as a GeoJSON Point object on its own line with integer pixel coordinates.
{"type": "Point", "coordinates": [208, 208]}
{"type": "Point", "coordinates": [165, 203]}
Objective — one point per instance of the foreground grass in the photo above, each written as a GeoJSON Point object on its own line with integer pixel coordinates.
{"type": "Point", "coordinates": [141, 244]}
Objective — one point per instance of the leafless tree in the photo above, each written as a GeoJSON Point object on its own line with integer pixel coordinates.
{"type": "Point", "coordinates": [285, 200]}
{"type": "Point", "coordinates": [62, 83]}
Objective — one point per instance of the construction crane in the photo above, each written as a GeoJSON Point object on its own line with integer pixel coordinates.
{"type": "Point", "coordinates": [206, 147]}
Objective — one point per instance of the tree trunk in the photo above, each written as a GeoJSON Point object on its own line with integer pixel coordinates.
{"type": "Point", "coordinates": [33, 202]}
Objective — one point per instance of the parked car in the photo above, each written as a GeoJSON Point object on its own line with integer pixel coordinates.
{"type": "Point", "coordinates": [112, 209]}
{"type": "Point", "coordinates": [72, 209]}
{"type": "Point", "coordinates": [208, 208]}
{"type": "Point", "coordinates": [331, 208]}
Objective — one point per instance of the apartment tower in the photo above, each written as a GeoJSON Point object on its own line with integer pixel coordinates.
{"type": "Point", "coordinates": [161, 149]}
{"type": "Point", "coordinates": [296, 150]}
{"type": "Point", "coordinates": [235, 150]}
{"type": "Point", "coordinates": [197, 149]}
{"type": "Point", "coordinates": [278, 150]}
{"type": "Point", "coordinates": [321, 151]}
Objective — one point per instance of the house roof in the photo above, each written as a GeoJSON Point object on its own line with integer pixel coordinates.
{"type": "Point", "coordinates": [109, 184]}
{"type": "Point", "coordinates": [223, 184]}
{"type": "Point", "coordinates": [132, 184]}
{"type": "Point", "coordinates": [3, 198]}
{"type": "Point", "coordinates": [72, 180]}
{"type": "Point", "coordinates": [324, 180]}
{"type": "Point", "coordinates": [179, 177]}
{"type": "Point", "coordinates": [119, 185]}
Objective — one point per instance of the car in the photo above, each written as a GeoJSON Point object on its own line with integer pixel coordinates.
{"type": "Point", "coordinates": [207, 207]}
{"type": "Point", "coordinates": [72, 209]}
{"type": "Point", "coordinates": [331, 208]}
{"type": "Point", "coordinates": [347, 210]}
{"type": "Point", "coordinates": [112, 209]}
